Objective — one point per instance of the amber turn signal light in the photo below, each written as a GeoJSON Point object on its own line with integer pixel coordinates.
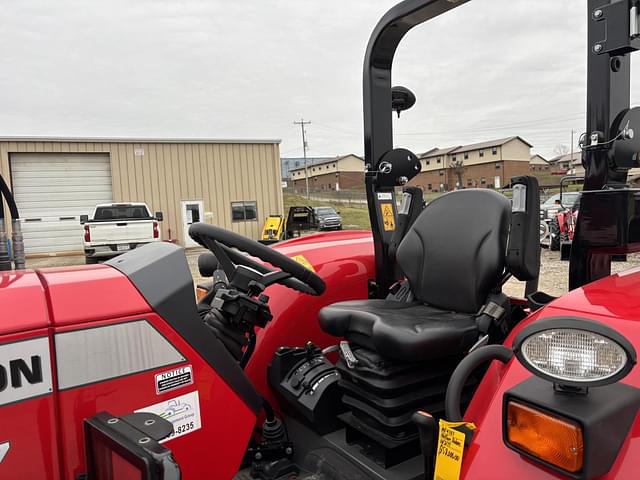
{"type": "Point", "coordinates": [201, 293]}
{"type": "Point", "coordinates": [557, 441]}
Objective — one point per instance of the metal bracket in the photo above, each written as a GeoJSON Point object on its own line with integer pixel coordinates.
{"type": "Point", "coordinates": [620, 39]}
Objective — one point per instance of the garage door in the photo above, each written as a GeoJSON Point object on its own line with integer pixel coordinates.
{"type": "Point", "coordinates": [52, 190]}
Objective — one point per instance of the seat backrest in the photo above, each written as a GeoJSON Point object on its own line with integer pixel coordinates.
{"type": "Point", "coordinates": [454, 253]}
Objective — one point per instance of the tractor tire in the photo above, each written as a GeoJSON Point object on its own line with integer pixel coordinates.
{"type": "Point", "coordinates": [554, 235]}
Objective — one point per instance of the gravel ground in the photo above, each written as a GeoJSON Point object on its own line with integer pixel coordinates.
{"type": "Point", "coordinates": [554, 273]}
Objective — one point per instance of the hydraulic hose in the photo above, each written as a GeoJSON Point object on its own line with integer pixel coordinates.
{"type": "Point", "coordinates": [5, 259]}
{"type": "Point", "coordinates": [465, 368]}
{"type": "Point", "coordinates": [16, 237]}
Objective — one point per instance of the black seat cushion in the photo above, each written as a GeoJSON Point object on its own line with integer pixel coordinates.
{"type": "Point", "coordinates": [410, 332]}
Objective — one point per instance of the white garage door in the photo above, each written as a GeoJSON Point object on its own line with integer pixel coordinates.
{"type": "Point", "coordinates": [52, 190]}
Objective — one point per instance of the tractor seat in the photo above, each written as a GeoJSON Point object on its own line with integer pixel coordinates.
{"type": "Point", "coordinates": [408, 331]}
{"type": "Point", "coordinates": [453, 256]}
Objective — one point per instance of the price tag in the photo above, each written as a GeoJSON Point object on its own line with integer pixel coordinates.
{"type": "Point", "coordinates": [450, 450]}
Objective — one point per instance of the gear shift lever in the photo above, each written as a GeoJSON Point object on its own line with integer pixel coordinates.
{"type": "Point", "coordinates": [428, 429]}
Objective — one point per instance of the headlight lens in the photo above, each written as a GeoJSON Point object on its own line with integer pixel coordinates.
{"type": "Point", "coordinates": [574, 352]}
{"type": "Point", "coordinates": [574, 355]}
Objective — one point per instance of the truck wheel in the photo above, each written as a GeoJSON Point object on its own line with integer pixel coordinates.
{"type": "Point", "coordinates": [90, 260]}
{"type": "Point", "coordinates": [554, 235]}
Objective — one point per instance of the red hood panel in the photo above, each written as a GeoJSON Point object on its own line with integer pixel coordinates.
{"type": "Point", "coordinates": [82, 294]}
{"type": "Point", "coordinates": [23, 302]}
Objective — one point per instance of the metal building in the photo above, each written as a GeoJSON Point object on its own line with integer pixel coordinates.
{"type": "Point", "coordinates": [230, 183]}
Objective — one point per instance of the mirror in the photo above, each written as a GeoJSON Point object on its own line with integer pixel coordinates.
{"type": "Point", "coordinates": [402, 99]}
{"type": "Point", "coordinates": [159, 216]}
{"type": "Point", "coordinates": [84, 219]}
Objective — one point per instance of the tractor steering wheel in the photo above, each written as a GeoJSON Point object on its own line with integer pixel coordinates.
{"type": "Point", "coordinates": [220, 242]}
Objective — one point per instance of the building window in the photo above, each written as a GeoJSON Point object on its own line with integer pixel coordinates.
{"type": "Point", "coordinates": [297, 164]}
{"type": "Point", "coordinates": [453, 159]}
{"type": "Point", "coordinates": [244, 211]}
{"type": "Point", "coordinates": [469, 182]}
{"type": "Point", "coordinates": [441, 173]}
{"type": "Point", "coordinates": [428, 161]}
{"type": "Point", "coordinates": [494, 151]}
{"type": "Point", "coordinates": [428, 186]}
{"type": "Point", "coordinates": [466, 156]}
{"type": "Point", "coordinates": [483, 181]}
{"type": "Point", "coordinates": [327, 167]}
{"type": "Point", "coordinates": [334, 165]}
{"type": "Point", "coordinates": [439, 159]}
{"type": "Point", "coordinates": [497, 165]}
{"type": "Point", "coordinates": [481, 152]}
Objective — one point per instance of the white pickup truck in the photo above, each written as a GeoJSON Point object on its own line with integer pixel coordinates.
{"type": "Point", "coordinates": [116, 228]}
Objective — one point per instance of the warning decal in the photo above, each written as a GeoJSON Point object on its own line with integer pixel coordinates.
{"type": "Point", "coordinates": [183, 412]}
{"type": "Point", "coordinates": [388, 219]}
{"type": "Point", "coordinates": [304, 262]}
{"type": "Point", "coordinates": [167, 381]}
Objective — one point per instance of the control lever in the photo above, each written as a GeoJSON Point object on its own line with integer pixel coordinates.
{"type": "Point", "coordinates": [428, 429]}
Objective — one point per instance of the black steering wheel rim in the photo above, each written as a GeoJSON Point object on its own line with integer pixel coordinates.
{"type": "Point", "coordinates": [302, 279]}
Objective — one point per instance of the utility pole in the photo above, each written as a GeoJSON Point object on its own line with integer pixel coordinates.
{"type": "Point", "coordinates": [302, 123]}
{"type": "Point", "coordinates": [571, 157]}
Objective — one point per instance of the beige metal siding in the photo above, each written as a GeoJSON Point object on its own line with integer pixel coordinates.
{"type": "Point", "coordinates": [167, 173]}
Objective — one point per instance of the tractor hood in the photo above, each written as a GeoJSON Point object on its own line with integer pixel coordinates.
{"type": "Point", "coordinates": [614, 301]}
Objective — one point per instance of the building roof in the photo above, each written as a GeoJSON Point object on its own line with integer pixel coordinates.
{"type": "Point", "coordinates": [491, 143]}
{"type": "Point", "coordinates": [538, 160]}
{"type": "Point", "coordinates": [137, 140]}
{"type": "Point", "coordinates": [329, 160]}
{"type": "Point", "coordinates": [573, 158]}
{"type": "Point", "coordinates": [434, 152]}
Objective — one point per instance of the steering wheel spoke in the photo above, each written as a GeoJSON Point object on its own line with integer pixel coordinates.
{"type": "Point", "coordinates": [227, 247]}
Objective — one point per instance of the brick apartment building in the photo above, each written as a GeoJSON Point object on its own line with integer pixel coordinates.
{"type": "Point", "coordinates": [339, 173]}
{"type": "Point", "coordinates": [480, 165]}
{"type": "Point", "coordinates": [539, 164]}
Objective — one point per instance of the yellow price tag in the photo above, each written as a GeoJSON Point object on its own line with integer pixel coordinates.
{"type": "Point", "coordinates": [304, 262]}
{"type": "Point", "coordinates": [388, 219]}
{"type": "Point", "coordinates": [450, 450]}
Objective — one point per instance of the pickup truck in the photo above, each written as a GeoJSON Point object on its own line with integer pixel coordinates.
{"type": "Point", "coordinates": [115, 228]}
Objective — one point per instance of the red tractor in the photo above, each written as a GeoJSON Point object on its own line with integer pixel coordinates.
{"type": "Point", "coordinates": [391, 354]}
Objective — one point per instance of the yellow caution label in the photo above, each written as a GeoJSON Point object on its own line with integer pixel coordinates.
{"type": "Point", "coordinates": [450, 450]}
{"type": "Point", "coordinates": [388, 219]}
{"type": "Point", "coordinates": [304, 262]}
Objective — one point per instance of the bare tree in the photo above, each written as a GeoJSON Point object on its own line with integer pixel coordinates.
{"type": "Point", "coordinates": [561, 150]}
{"type": "Point", "coordinates": [457, 166]}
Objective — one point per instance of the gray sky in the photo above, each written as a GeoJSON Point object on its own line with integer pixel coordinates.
{"type": "Point", "coordinates": [240, 69]}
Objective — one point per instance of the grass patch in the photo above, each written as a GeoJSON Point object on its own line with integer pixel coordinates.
{"type": "Point", "coordinates": [354, 217]}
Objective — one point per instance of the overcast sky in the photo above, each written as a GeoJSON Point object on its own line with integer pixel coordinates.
{"type": "Point", "coordinates": [248, 69]}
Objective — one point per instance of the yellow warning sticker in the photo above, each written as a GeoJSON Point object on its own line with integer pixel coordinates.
{"type": "Point", "coordinates": [304, 262]}
{"type": "Point", "coordinates": [388, 219]}
{"type": "Point", "coordinates": [450, 450]}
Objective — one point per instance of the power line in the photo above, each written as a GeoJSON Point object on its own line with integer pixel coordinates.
{"type": "Point", "coordinates": [302, 124]}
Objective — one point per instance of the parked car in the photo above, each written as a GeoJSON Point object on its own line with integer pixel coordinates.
{"type": "Point", "coordinates": [328, 218]}
{"type": "Point", "coordinates": [115, 228]}
{"type": "Point", "coordinates": [551, 207]}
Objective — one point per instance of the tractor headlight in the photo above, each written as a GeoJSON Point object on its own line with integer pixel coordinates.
{"type": "Point", "coordinates": [567, 425]}
{"type": "Point", "coordinates": [574, 352]}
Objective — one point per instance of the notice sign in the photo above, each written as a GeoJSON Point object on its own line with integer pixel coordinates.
{"type": "Point", "coordinates": [183, 412]}
{"type": "Point", "coordinates": [179, 377]}
{"type": "Point", "coordinates": [450, 450]}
